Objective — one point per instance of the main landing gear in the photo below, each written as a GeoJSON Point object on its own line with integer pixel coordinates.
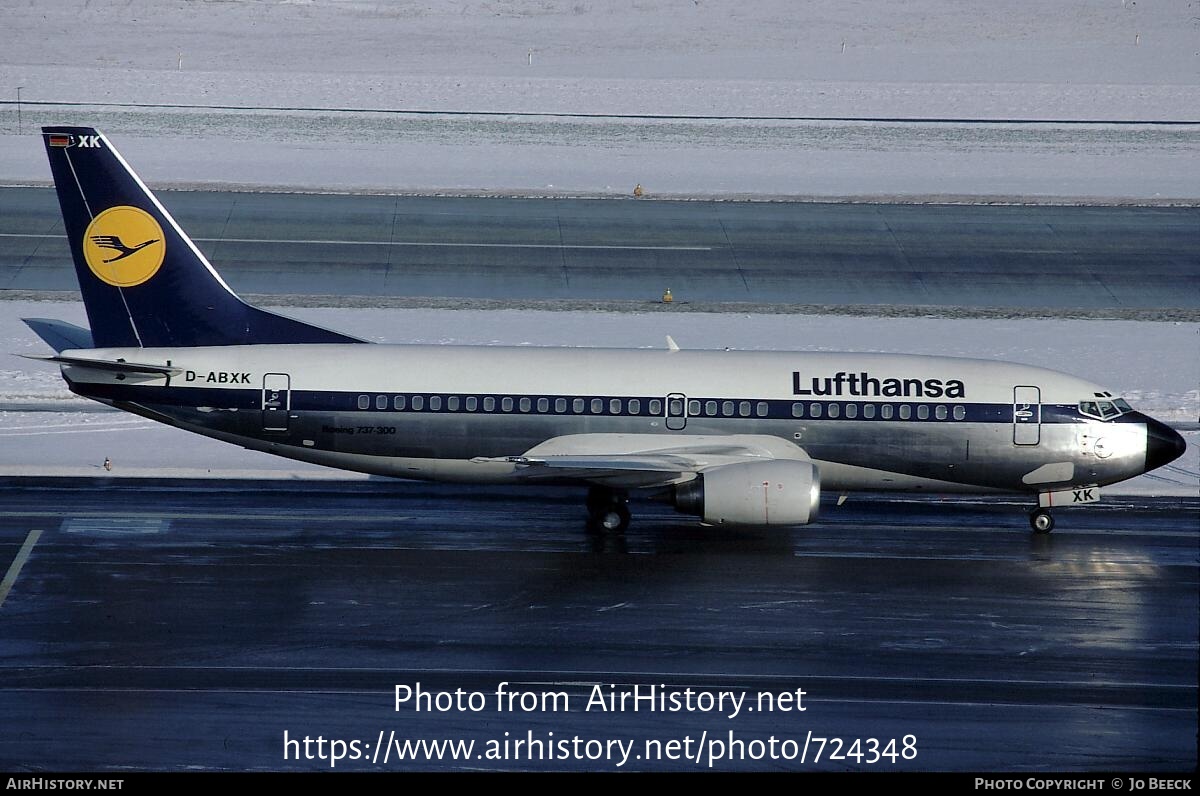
{"type": "Point", "coordinates": [1041, 521]}
{"type": "Point", "coordinates": [608, 510]}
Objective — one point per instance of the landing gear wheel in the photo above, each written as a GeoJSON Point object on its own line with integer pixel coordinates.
{"type": "Point", "coordinates": [1041, 521]}
{"type": "Point", "coordinates": [613, 519]}
{"type": "Point", "coordinates": [607, 511]}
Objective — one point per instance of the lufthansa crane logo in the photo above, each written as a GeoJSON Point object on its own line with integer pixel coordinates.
{"type": "Point", "coordinates": [124, 246]}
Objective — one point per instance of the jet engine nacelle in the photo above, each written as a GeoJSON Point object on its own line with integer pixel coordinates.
{"type": "Point", "coordinates": [776, 492]}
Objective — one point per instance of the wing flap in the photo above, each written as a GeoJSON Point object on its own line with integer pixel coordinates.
{"type": "Point", "coordinates": [643, 459]}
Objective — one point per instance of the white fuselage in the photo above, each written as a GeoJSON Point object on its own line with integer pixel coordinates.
{"type": "Point", "coordinates": [869, 421]}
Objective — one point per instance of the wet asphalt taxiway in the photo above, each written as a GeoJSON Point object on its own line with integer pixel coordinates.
{"type": "Point", "coordinates": [183, 625]}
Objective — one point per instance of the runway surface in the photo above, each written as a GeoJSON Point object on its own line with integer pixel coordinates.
{"type": "Point", "coordinates": [189, 625]}
{"type": "Point", "coordinates": [580, 249]}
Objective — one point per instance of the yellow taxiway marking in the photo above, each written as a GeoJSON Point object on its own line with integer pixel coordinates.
{"type": "Point", "coordinates": [15, 569]}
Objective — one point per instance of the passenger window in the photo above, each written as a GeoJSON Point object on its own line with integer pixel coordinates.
{"type": "Point", "coordinates": [398, 403]}
{"type": "Point", "coordinates": [418, 402]}
{"type": "Point", "coordinates": [489, 404]}
{"type": "Point", "coordinates": [635, 406]}
{"type": "Point", "coordinates": [905, 411]}
{"type": "Point", "coordinates": [960, 412]}
{"type": "Point", "coordinates": [922, 412]}
{"type": "Point", "coordinates": [693, 408]}
{"type": "Point", "coordinates": [655, 407]}
{"type": "Point", "coordinates": [710, 408]}
{"type": "Point", "coordinates": [940, 413]}
{"type": "Point", "coordinates": [435, 403]}
{"type": "Point", "coordinates": [364, 402]}
{"type": "Point", "coordinates": [597, 406]}
{"type": "Point", "coordinates": [560, 405]}
{"type": "Point", "coordinates": [452, 403]}
{"type": "Point", "coordinates": [851, 411]}
{"type": "Point", "coordinates": [868, 411]}
{"type": "Point", "coordinates": [577, 406]}
{"type": "Point", "coordinates": [744, 408]}
{"type": "Point", "coordinates": [525, 404]}
{"type": "Point", "coordinates": [675, 407]}
{"type": "Point", "coordinates": [727, 408]}
{"type": "Point", "coordinates": [381, 402]}
{"type": "Point", "coordinates": [797, 410]}
{"type": "Point", "coordinates": [760, 409]}
{"type": "Point", "coordinates": [543, 405]}
{"type": "Point", "coordinates": [814, 410]}
{"type": "Point", "coordinates": [506, 404]}
{"type": "Point", "coordinates": [472, 403]}
{"type": "Point", "coordinates": [885, 411]}
{"type": "Point", "coordinates": [614, 406]}
{"type": "Point", "coordinates": [834, 410]}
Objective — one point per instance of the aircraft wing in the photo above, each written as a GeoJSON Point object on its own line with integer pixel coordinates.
{"type": "Point", "coordinates": [644, 460]}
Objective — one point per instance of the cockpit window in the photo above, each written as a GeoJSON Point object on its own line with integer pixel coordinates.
{"type": "Point", "coordinates": [1104, 410]}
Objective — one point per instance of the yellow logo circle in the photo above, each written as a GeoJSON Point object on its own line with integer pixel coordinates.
{"type": "Point", "coordinates": [124, 246]}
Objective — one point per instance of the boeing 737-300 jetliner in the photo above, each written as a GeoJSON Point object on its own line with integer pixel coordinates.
{"type": "Point", "coordinates": [737, 438]}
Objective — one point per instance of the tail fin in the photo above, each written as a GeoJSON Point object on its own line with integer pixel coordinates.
{"type": "Point", "coordinates": [144, 283]}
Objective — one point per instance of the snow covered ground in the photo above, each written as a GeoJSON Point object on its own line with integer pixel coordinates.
{"type": "Point", "coordinates": [1107, 59]}
{"type": "Point", "coordinates": [354, 64]}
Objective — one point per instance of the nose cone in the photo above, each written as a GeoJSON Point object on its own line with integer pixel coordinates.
{"type": "Point", "coordinates": [1163, 444]}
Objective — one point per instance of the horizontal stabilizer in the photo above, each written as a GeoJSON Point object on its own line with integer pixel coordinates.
{"type": "Point", "coordinates": [60, 335]}
{"type": "Point", "coordinates": [114, 366]}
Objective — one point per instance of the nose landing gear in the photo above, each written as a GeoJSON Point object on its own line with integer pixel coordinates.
{"type": "Point", "coordinates": [608, 511]}
{"type": "Point", "coordinates": [1041, 521]}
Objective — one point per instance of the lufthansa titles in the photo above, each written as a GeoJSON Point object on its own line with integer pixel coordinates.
{"type": "Point", "coordinates": [864, 385]}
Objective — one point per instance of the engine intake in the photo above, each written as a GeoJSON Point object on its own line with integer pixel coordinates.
{"type": "Point", "coordinates": [777, 492]}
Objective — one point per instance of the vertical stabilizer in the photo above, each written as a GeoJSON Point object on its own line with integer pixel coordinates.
{"type": "Point", "coordinates": [144, 282]}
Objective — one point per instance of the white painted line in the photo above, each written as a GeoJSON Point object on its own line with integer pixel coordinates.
{"type": "Point", "coordinates": [462, 245]}
{"type": "Point", "coordinates": [113, 525]}
{"type": "Point", "coordinates": [15, 569]}
{"type": "Point", "coordinates": [417, 243]}
{"type": "Point", "coordinates": [167, 517]}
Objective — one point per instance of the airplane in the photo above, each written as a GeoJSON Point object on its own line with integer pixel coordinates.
{"type": "Point", "coordinates": [738, 438]}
